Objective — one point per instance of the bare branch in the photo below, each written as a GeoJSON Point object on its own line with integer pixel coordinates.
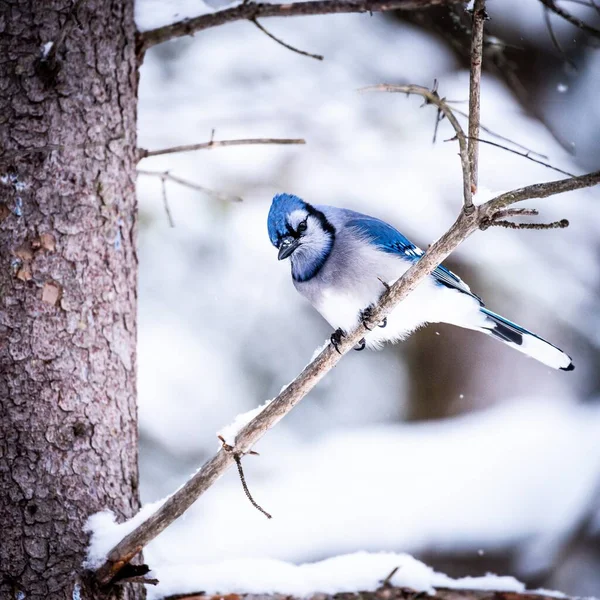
{"type": "Point", "coordinates": [163, 183]}
{"type": "Point", "coordinates": [517, 212]}
{"type": "Point", "coordinates": [284, 44]}
{"type": "Point", "coordinates": [479, 17]}
{"type": "Point", "coordinates": [167, 176]}
{"type": "Point", "coordinates": [256, 10]}
{"type": "Point", "coordinates": [567, 16]}
{"type": "Point", "coordinates": [497, 135]}
{"type": "Point", "coordinates": [432, 97]}
{"type": "Point", "coordinates": [524, 155]}
{"type": "Point", "coordinates": [142, 153]}
{"type": "Point", "coordinates": [540, 190]}
{"type": "Point", "coordinates": [554, 39]}
{"type": "Point", "coordinates": [385, 592]}
{"type": "Point", "coordinates": [510, 225]}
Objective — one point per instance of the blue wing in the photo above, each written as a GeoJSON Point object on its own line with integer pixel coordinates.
{"type": "Point", "coordinates": [390, 240]}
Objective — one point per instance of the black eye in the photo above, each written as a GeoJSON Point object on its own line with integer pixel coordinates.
{"type": "Point", "coordinates": [302, 227]}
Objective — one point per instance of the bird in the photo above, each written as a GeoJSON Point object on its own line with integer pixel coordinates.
{"type": "Point", "coordinates": [342, 262]}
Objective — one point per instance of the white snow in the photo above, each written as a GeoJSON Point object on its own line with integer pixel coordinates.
{"type": "Point", "coordinates": [46, 49]}
{"type": "Point", "coordinates": [484, 194]}
{"type": "Point", "coordinates": [229, 432]}
{"type": "Point", "coordinates": [360, 571]}
{"type": "Point", "coordinates": [105, 532]}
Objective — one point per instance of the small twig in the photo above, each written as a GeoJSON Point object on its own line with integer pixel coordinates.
{"type": "Point", "coordinates": [567, 16]}
{"type": "Point", "coordinates": [238, 462]}
{"type": "Point", "coordinates": [237, 456]}
{"type": "Point", "coordinates": [163, 183]}
{"type": "Point", "coordinates": [387, 582]}
{"type": "Point", "coordinates": [497, 135]}
{"type": "Point", "coordinates": [510, 225]}
{"type": "Point", "coordinates": [284, 44]}
{"type": "Point", "coordinates": [143, 153]}
{"type": "Point", "coordinates": [554, 39]}
{"type": "Point", "coordinates": [166, 175]}
{"type": "Point", "coordinates": [138, 579]}
{"type": "Point", "coordinates": [523, 155]}
{"type": "Point", "coordinates": [479, 17]}
{"type": "Point", "coordinates": [432, 97]}
{"type": "Point", "coordinates": [516, 212]}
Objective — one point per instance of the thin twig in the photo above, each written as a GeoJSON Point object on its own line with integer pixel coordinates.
{"type": "Point", "coordinates": [258, 10]}
{"type": "Point", "coordinates": [284, 44]}
{"type": "Point", "coordinates": [163, 183]}
{"type": "Point", "coordinates": [510, 225]}
{"type": "Point", "coordinates": [517, 212]}
{"type": "Point", "coordinates": [523, 155]}
{"type": "Point", "coordinates": [497, 135]}
{"type": "Point", "coordinates": [166, 175]}
{"type": "Point", "coordinates": [143, 153]}
{"type": "Point", "coordinates": [567, 16]}
{"type": "Point", "coordinates": [292, 394]}
{"type": "Point", "coordinates": [479, 17]}
{"type": "Point", "coordinates": [238, 462]}
{"type": "Point", "coordinates": [432, 97]}
{"type": "Point", "coordinates": [554, 39]}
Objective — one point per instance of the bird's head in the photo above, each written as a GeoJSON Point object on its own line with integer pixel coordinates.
{"type": "Point", "coordinates": [302, 232]}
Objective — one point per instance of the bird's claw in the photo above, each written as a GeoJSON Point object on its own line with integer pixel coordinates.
{"type": "Point", "coordinates": [361, 345]}
{"type": "Point", "coordinates": [336, 338]}
{"type": "Point", "coordinates": [366, 318]}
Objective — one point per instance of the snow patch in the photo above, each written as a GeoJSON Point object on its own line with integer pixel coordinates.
{"type": "Point", "coordinates": [360, 571]}
{"type": "Point", "coordinates": [106, 533]}
{"type": "Point", "coordinates": [45, 50]}
{"type": "Point", "coordinates": [229, 432]}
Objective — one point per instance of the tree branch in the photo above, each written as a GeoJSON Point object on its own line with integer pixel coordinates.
{"type": "Point", "coordinates": [142, 153]}
{"type": "Point", "coordinates": [432, 97]}
{"type": "Point", "coordinates": [385, 592]}
{"type": "Point", "coordinates": [285, 44]}
{"type": "Point", "coordinates": [567, 16]}
{"type": "Point", "coordinates": [466, 224]}
{"type": "Point", "coordinates": [254, 10]}
{"type": "Point", "coordinates": [479, 17]}
{"type": "Point", "coordinates": [166, 176]}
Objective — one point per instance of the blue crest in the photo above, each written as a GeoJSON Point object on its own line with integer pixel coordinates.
{"type": "Point", "coordinates": [282, 206]}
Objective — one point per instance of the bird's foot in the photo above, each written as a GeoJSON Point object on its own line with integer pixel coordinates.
{"type": "Point", "coordinates": [336, 338]}
{"type": "Point", "coordinates": [366, 315]}
{"type": "Point", "coordinates": [361, 345]}
{"type": "Point", "coordinates": [366, 318]}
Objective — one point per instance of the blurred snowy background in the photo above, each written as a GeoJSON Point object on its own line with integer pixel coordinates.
{"type": "Point", "coordinates": [449, 446]}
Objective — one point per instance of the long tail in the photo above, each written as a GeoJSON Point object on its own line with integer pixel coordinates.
{"type": "Point", "coordinates": [524, 341]}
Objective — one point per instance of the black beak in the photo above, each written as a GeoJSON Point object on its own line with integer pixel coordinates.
{"type": "Point", "coordinates": [287, 247]}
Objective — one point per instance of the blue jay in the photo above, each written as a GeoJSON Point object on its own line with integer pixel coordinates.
{"type": "Point", "coordinates": [343, 261]}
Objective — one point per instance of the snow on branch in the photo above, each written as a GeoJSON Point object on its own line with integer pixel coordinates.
{"type": "Point", "coordinates": [470, 219]}
{"type": "Point", "coordinates": [251, 11]}
{"type": "Point", "coordinates": [356, 576]}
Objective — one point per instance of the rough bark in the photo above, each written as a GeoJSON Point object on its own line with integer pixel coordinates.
{"type": "Point", "coordinates": [68, 434]}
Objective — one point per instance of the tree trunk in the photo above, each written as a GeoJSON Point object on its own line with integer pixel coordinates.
{"type": "Point", "coordinates": [68, 423]}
